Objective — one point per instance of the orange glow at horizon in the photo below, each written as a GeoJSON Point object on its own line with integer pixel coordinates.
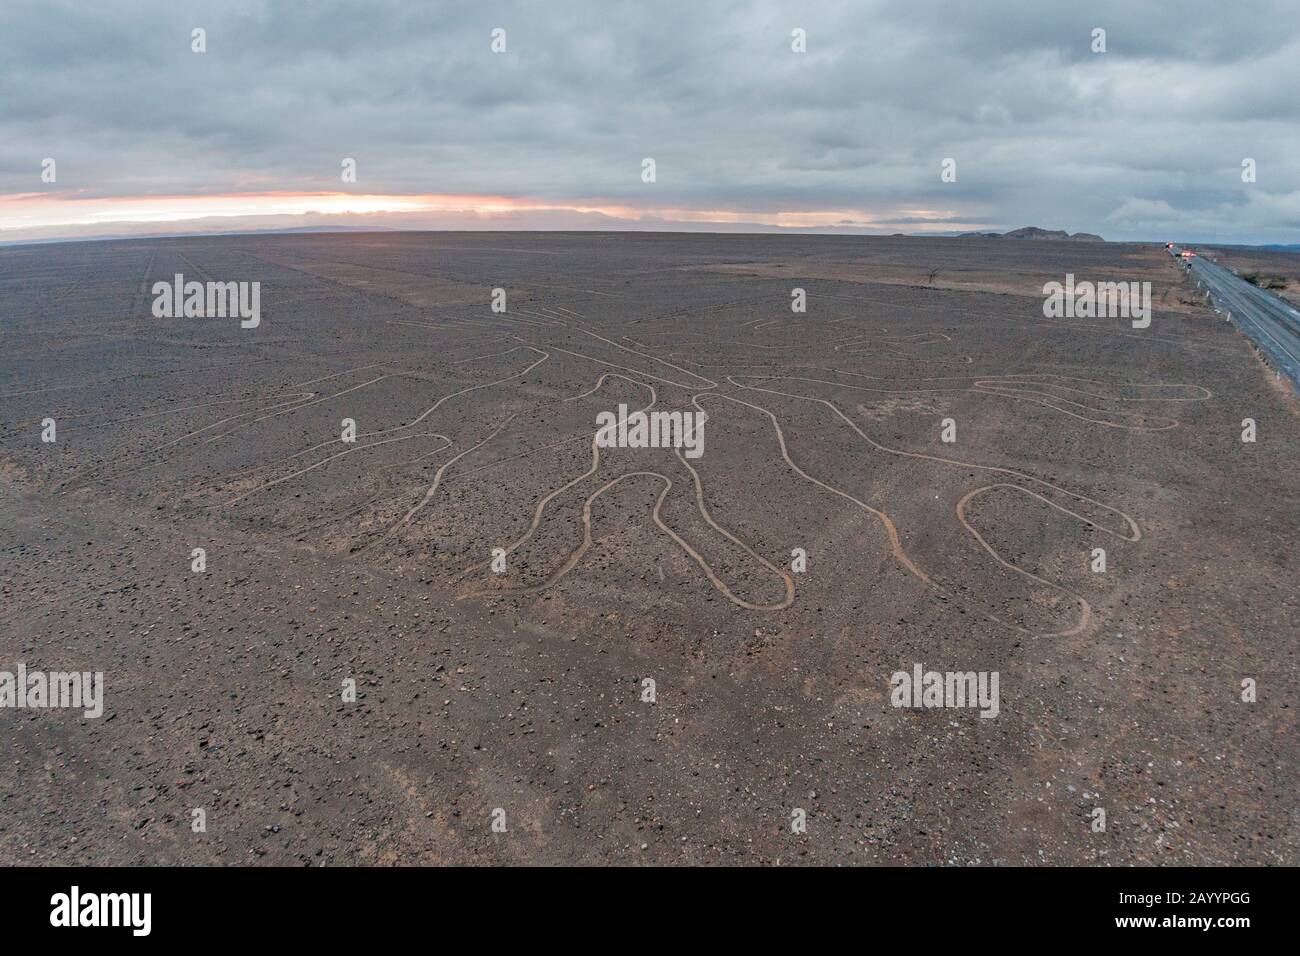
{"type": "Point", "coordinates": [50, 210]}
{"type": "Point", "coordinates": [43, 209]}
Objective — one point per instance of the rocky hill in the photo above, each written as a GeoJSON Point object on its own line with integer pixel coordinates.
{"type": "Point", "coordinates": [1034, 232]}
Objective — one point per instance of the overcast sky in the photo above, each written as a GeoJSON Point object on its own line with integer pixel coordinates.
{"type": "Point", "coordinates": [1143, 141]}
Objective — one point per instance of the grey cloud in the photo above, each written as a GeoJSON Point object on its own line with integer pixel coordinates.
{"type": "Point", "coordinates": [1148, 136]}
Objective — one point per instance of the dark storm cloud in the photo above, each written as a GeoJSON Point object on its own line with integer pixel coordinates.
{"type": "Point", "coordinates": [1143, 140]}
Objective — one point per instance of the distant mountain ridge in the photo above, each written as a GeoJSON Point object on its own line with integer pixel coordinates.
{"type": "Point", "coordinates": [1034, 232]}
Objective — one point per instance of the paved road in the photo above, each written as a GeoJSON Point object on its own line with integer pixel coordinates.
{"type": "Point", "coordinates": [1271, 322]}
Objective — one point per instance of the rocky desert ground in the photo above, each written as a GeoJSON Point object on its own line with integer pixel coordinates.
{"type": "Point", "coordinates": [576, 654]}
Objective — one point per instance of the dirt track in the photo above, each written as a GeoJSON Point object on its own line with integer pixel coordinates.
{"type": "Point", "coordinates": [522, 690]}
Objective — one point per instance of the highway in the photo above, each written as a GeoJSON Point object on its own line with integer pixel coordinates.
{"type": "Point", "coordinates": [1271, 322]}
